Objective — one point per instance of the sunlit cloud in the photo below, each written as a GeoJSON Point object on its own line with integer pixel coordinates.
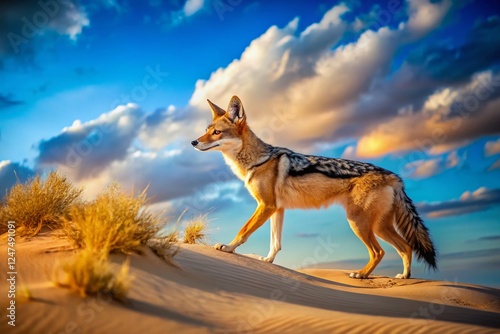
{"type": "Point", "coordinates": [478, 200]}
{"type": "Point", "coordinates": [425, 168]}
{"type": "Point", "coordinates": [301, 88]}
{"type": "Point", "coordinates": [495, 165]}
{"type": "Point", "coordinates": [86, 149]}
{"type": "Point", "coordinates": [492, 148]}
{"type": "Point", "coordinates": [448, 118]}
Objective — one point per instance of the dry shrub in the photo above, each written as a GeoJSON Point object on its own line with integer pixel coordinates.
{"type": "Point", "coordinates": [38, 203]}
{"type": "Point", "coordinates": [90, 273]}
{"type": "Point", "coordinates": [164, 246]}
{"type": "Point", "coordinates": [195, 231]}
{"type": "Point", "coordinates": [114, 221]}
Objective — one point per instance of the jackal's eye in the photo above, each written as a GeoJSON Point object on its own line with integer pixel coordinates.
{"type": "Point", "coordinates": [217, 132]}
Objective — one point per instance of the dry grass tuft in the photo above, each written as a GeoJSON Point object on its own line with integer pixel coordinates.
{"type": "Point", "coordinates": [114, 221]}
{"type": "Point", "coordinates": [24, 293]}
{"type": "Point", "coordinates": [38, 203]}
{"type": "Point", "coordinates": [164, 246]}
{"type": "Point", "coordinates": [195, 231]}
{"type": "Point", "coordinates": [90, 274]}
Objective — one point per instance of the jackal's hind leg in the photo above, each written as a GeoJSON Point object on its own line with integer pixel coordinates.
{"type": "Point", "coordinates": [363, 230]}
{"type": "Point", "coordinates": [387, 232]}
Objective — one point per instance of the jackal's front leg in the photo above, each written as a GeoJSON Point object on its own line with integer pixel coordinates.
{"type": "Point", "coordinates": [259, 217]}
{"type": "Point", "coordinates": [276, 231]}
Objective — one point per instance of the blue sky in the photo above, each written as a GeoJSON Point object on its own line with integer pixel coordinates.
{"type": "Point", "coordinates": [115, 90]}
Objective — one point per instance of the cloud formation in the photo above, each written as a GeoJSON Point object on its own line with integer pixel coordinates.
{"type": "Point", "coordinates": [7, 100]}
{"type": "Point", "coordinates": [300, 89]}
{"type": "Point", "coordinates": [177, 17]}
{"type": "Point", "coordinates": [425, 168]}
{"type": "Point", "coordinates": [86, 149]}
{"type": "Point", "coordinates": [495, 165]}
{"type": "Point", "coordinates": [478, 200]}
{"type": "Point", "coordinates": [492, 147]}
{"type": "Point", "coordinates": [341, 92]}
{"type": "Point", "coordinates": [119, 146]}
{"type": "Point", "coordinates": [448, 118]}
{"type": "Point", "coordinates": [11, 173]}
{"type": "Point", "coordinates": [273, 71]}
{"type": "Point", "coordinates": [447, 63]}
{"type": "Point", "coordinates": [25, 20]}
{"type": "Point", "coordinates": [489, 238]}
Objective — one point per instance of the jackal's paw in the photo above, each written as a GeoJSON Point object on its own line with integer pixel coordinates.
{"type": "Point", "coordinates": [266, 259]}
{"type": "Point", "coordinates": [223, 248]}
{"type": "Point", "coordinates": [402, 276]}
{"type": "Point", "coordinates": [356, 275]}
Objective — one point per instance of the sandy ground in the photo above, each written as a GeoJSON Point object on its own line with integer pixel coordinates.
{"type": "Point", "coordinates": [214, 292]}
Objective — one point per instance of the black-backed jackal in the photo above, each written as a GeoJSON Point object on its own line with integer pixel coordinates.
{"type": "Point", "coordinates": [278, 178]}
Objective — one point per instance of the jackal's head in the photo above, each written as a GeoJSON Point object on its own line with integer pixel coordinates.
{"type": "Point", "coordinates": [225, 131]}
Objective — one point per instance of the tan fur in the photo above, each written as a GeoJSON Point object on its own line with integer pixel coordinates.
{"type": "Point", "coordinates": [368, 199]}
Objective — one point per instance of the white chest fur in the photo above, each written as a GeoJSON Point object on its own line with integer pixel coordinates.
{"type": "Point", "coordinates": [239, 172]}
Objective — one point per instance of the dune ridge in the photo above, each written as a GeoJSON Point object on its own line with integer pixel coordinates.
{"type": "Point", "coordinates": [214, 292]}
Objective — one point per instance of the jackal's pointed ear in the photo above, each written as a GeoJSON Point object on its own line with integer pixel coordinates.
{"type": "Point", "coordinates": [216, 110]}
{"type": "Point", "coordinates": [235, 111]}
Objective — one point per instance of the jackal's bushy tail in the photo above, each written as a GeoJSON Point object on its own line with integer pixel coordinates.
{"type": "Point", "coordinates": [413, 230]}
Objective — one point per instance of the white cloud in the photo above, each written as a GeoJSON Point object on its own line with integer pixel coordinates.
{"type": "Point", "coordinates": [4, 163]}
{"type": "Point", "coordinates": [349, 152]}
{"type": "Point", "coordinates": [425, 16]}
{"type": "Point", "coordinates": [191, 7]}
{"type": "Point", "coordinates": [492, 147]}
{"type": "Point", "coordinates": [64, 17]}
{"type": "Point", "coordinates": [327, 92]}
{"type": "Point", "coordinates": [495, 165]}
{"type": "Point", "coordinates": [470, 201]}
{"type": "Point", "coordinates": [168, 127]}
{"type": "Point", "coordinates": [299, 89]}
{"type": "Point", "coordinates": [72, 22]}
{"type": "Point", "coordinates": [86, 149]}
{"type": "Point", "coordinates": [453, 160]}
{"type": "Point", "coordinates": [302, 75]}
{"type": "Point", "coordinates": [169, 175]}
{"type": "Point", "coordinates": [425, 168]}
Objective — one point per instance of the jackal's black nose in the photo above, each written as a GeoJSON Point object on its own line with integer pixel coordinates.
{"type": "Point", "coordinates": [194, 142]}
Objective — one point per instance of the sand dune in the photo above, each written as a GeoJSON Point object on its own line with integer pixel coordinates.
{"type": "Point", "coordinates": [214, 292]}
